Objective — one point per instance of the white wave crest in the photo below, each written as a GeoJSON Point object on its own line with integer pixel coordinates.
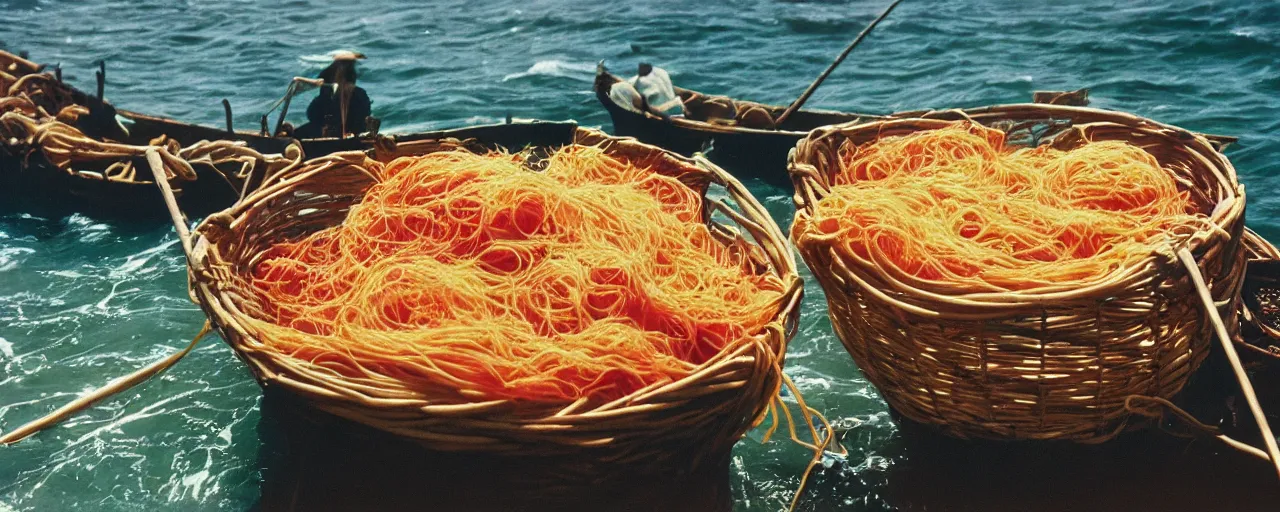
{"type": "Point", "coordinates": [557, 68]}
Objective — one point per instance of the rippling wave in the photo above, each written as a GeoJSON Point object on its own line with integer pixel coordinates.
{"type": "Point", "coordinates": [83, 301]}
{"type": "Point", "coordinates": [557, 68]}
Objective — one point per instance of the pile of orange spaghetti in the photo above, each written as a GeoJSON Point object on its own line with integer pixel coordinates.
{"type": "Point", "coordinates": [472, 274]}
{"type": "Point", "coordinates": [956, 210]}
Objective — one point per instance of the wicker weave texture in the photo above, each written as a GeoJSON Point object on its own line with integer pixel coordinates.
{"type": "Point", "coordinates": [681, 423]}
{"type": "Point", "coordinates": [1053, 363]}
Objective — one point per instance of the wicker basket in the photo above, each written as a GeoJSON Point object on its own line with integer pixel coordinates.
{"type": "Point", "coordinates": [1037, 364]}
{"type": "Point", "coordinates": [679, 424]}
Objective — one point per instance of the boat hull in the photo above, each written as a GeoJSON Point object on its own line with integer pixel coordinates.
{"type": "Point", "coordinates": [31, 184]}
{"type": "Point", "coordinates": [749, 156]}
{"type": "Point", "coordinates": [40, 188]}
{"type": "Point", "coordinates": [749, 153]}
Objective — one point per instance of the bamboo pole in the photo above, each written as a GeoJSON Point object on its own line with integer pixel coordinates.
{"type": "Point", "coordinates": [1224, 339]}
{"type": "Point", "coordinates": [814, 86]}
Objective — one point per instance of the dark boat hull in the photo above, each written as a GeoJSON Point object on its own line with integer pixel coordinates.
{"type": "Point", "coordinates": [748, 153]}
{"type": "Point", "coordinates": [143, 127]}
{"type": "Point", "coordinates": [40, 188]}
{"type": "Point", "coordinates": [512, 135]}
{"type": "Point", "coordinates": [36, 186]}
{"type": "Point", "coordinates": [656, 131]}
{"type": "Point", "coordinates": [749, 156]}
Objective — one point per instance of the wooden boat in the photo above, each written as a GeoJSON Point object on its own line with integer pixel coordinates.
{"type": "Point", "coordinates": [30, 182]}
{"type": "Point", "coordinates": [738, 135]}
{"type": "Point", "coordinates": [144, 127]}
{"type": "Point", "coordinates": [514, 134]}
{"type": "Point", "coordinates": [742, 137]}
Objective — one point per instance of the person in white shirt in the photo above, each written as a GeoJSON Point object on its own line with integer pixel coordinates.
{"type": "Point", "coordinates": [655, 88]}
{"type": "Point", "coordinates": [626, 96]}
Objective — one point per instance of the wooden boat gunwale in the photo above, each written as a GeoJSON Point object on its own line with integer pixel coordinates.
{"type": "Point", "coordinates": [603, 77]}
{"type": "Point", "coordinates": [34, 183]}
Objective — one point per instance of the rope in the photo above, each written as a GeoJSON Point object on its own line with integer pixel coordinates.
{"type": "Point", "coordinates": [112, 388]}
{"type": "Point", "coordinates": [38, 112]}
{"type": "Point", "coordinates": [44, 91]}
{"type": "Point", "coordinates": [65, 147]}
{"type": "Point", "coordinates": [69, 149]}
{"type": "Point", "coordinates": [819, 449]}
{"type": "Point", "coordinates": [1155, 407]}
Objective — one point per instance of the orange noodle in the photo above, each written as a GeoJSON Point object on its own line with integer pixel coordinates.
{"type": "Point", "coordinates": [592, 278]}
{"type": "Point", "coordinates": [956, 210]}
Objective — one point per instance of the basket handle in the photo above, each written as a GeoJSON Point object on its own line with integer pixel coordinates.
{"type": "Point", "coordinates": [753, 218]}
{"type": "Point", "coordinates": [757, 217]}
{"type": "Point", "coordinates": [1224, 339]}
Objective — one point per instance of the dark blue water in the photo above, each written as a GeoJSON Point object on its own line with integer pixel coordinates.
{"type": "Point", "coordinates": [82, 301]}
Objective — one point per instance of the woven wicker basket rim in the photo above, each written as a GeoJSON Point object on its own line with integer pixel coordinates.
{"type": "Point", "coordinates": [812, 181]}
{"type": "Point", "coordinates": [741, 359]}
{"type": "Point", "coordinates": [1038, 364]}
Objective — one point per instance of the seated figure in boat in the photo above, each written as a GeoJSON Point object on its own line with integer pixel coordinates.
{"type": "Point", "coordinates": [649, 91]}
{"type": "Point", "coordinates": [626, 96]}
{"type": "Point", "coordinates": [325, 114]}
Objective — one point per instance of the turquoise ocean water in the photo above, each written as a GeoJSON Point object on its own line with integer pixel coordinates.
{"type": "Point", "coordinates": [83, 301]}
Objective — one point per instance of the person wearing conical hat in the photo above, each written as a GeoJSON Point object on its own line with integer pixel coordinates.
{"type": "Point", "coordinates": [341, 108]}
